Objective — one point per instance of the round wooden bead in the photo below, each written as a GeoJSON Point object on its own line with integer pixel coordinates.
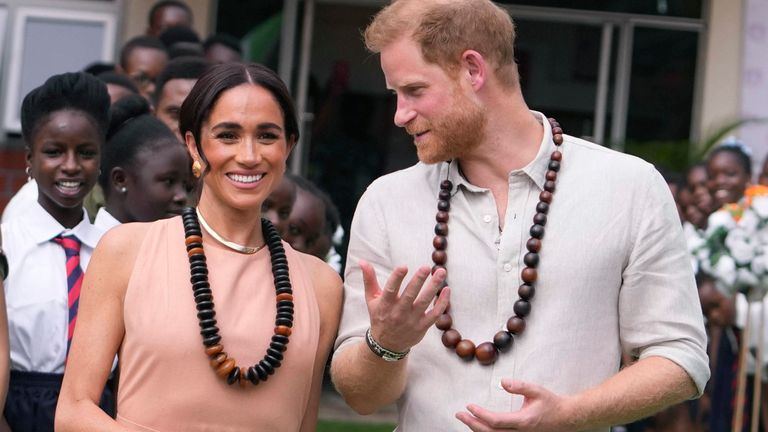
{"type": "Point", "coordinates": [234, 376]}
{"type": "Point", "coordinates": [444, 322]}
{"type": "Point", "coordinates": [225, 368]}
{"type": "Point", "coordinates": [545, 196]}
{"type": "Point", "coordinates": [451, 338]}
{"type": "Point", "coordinates": [446, 185]}
{"type": "Point", "coordinates": [195, 251]}
{"type": "Point", "coordinates": [557, 130]}
{"type": "Point", "coordinates": [542, 207]}
{"type": "Point", "coordinates": [529, 275]}
{"type": "Point", "coordinates": [243, 377]}
{"type": "Point", "coordinates": [515, 325]}
{"type": "Point", "coordinates": [253, 376]}
{"type": "Point", "coordinates": [522, 308]}
{"type": "Point", "coordinates": [556, 156]}
{"type": "Point", "coordinates": [283, 330]}
{"type": "Point", "coordinates": [540, 219]}
{"type": "Point", "coordinates": [218, 359]}
{"type": "Point", "coordinates": [212, 340]}
{"type": "Point", "coordinates": [558, 139]}
{"type": "Point", "coordinates": [554, 165]}
{"type": "Point", "coordinates": [440, 242]}
{"type": "Point", "coordinates": [537, 231]}
{"type": "Point", "coordinates": [486, 353]}
{"type": "Point", "coordinates": [441, 216]}
{"type": "Point", "coordinates": [549, 186]}
{"type": "Point", "coordinates": [465, 349]}
{"type": "Point", "coordinates": [193, 239]}
{"type": "Point", "coordinates": [213, 350]}
{"type": "Point", "coordinates": [261, 372]}
{"type": "Point", "coordinates": [439, 257]}
{"type": "Point", "coordinates": [441, 228]}
{"type": "Point", "coordinates": [284, 296]}
{"type": "Point", "coordinates": [443, 205]}
{"type": "Point", "coordinates": [444, 195]}
{"type": "Point", "coordinates": [437, 267]}
{"type": "Point", "coordinates": [531, 259]}
{"type": "Point", "coordinates": [503, 340]}
{"type": "Point", "coordinates": [533, 245]}
{"type": "Point", "coordinates": [526, 292]}
{"type": "Point", "coordinates": [550, 175]}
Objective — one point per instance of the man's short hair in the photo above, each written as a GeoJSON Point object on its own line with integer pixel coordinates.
{"type": "Point", "coordinates": [179, 68]}
{"type": "Point", "coordinates": [139, 42]}
{"type": "Point", "coordinates": [166, 3]}
{"type": "Point", "coordinates": [445, 29]}
{"type": "Point", "coordinates": [227, 40]}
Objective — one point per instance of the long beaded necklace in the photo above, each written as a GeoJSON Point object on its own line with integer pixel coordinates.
{"type": "Point", "coordinates": [225, 366]}
{"type": "Point", "coordinates": [487, 352]}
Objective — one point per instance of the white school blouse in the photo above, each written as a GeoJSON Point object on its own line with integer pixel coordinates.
{"type": "Point", "coordinates": [36, 288]}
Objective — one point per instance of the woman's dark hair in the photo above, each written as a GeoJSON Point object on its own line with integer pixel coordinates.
{"type": "Point", "coordinates": [131, 130]}
{"type": "Point", "coordinates": [77, 91]}
{"type": "Point", "coordinates": [737, 149]}
{"type": "Point", "coordinates": [220, 78]}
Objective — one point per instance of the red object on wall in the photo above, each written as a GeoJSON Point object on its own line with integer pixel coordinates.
{"type": "Point", "coordinates": [12, 175]}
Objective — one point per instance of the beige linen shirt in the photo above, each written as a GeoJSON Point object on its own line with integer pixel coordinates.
{"type": "Point", "coordinates": [614, 276]}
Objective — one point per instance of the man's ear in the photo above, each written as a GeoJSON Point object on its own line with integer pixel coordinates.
{"type": "Point", "coordinates": [475, 68]}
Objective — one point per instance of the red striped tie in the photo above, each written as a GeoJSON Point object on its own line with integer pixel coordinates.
{"type": "Point", "coordinates": [71, 245]}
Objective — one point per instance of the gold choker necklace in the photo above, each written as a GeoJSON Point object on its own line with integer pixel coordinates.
{"type": "Point", "coordinates": [232, 245]}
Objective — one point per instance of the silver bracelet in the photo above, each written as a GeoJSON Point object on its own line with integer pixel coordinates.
{"type": "Point", "coordinates": [387, 355]}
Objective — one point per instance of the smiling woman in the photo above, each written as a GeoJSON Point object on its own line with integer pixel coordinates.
{"type": "Point", "coordinates": [276, 310]}
{"type": "Point", "coordinates": [64, 122]}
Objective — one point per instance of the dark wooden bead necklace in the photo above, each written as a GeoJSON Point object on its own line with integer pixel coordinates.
{"type": "Point", "coordinates": [487, 352]}
{"type": "Point", "coordinates": [225, 366]}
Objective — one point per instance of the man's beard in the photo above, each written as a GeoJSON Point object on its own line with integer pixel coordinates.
{"type": "Point", "coordinates": [454, 135]}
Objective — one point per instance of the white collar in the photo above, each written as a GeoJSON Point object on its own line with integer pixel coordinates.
{"type": "Point", "coordinates": [45, 227]}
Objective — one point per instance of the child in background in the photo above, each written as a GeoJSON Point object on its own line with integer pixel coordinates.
{"type": "Point", "coordinates": [144, 168]}
{"type": "Point", "coordinates": [279, 204]}
{"type": "Point", "coordinates": [64, 123]}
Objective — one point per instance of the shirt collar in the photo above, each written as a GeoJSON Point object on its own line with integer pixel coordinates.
{"type": "Point", "coordinates": [46, 227]}
{"type": "Point", "coordinates": [104, 220]}
{"type": "Point", "coordinates": [536, 169]}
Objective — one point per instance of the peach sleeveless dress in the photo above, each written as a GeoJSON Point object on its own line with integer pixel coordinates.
{"type": "Point", "coordinates": [166, 381]}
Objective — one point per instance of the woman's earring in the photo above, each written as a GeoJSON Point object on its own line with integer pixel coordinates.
{"type": "Point", "coordinates": [123, 189]}
{"type": "Point", "coordinates": [197, 169]}
{"type": "Point", "coordinates": [28, 171]}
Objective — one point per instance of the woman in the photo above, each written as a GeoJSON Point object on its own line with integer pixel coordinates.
{"type": "Point", "coordinates": [193, 366]}
{"type": "Point", "coordinates": [144, 168]}
{"type": "Point", "coordinates": [64, 122]}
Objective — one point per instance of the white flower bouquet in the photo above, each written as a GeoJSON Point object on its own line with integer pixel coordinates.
{"type": "Point", "coordinates": [734, 247]}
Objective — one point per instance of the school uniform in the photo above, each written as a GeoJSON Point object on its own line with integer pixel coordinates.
{"type": "Point", "coordinates": [38, 296]}
{"type": "Point", "coordinates": [104, 220]}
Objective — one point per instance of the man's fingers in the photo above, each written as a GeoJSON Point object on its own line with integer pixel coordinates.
{"type": "Point", "coordinates": [392, 286]}
{"type": "Point", "coordinates": [530, 391]}
{"type": "Point", "coordinates": [428, 294]}
{"type": "Point", "coordinates": [473, 422]}
{"type": "Point", "coordinates": [370, 282]}
{"type": "Point", "coordinates": [441, 304]}
{"type": "Point", "coordinates": [494, 420]}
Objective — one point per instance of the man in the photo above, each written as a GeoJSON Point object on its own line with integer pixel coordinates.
{"type": "Point", "coordinates": [165, 14]}
{"type": "Point", "coordinates": [222, 48]}
{"type": "Point", "coordinates": [141, 59]}
{"type": "Point", "coordinates": [611, 274]}
{"type": "Point", "coordinates": [173, 85]}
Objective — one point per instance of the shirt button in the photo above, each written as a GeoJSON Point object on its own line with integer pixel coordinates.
{"type": "Point", "coordinates": [507, 267]}
{"type": "Point", "coordinates": [487, 218]}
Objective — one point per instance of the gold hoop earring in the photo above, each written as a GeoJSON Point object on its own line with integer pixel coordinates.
{"type": "Point", "coordinates": [197, 169]}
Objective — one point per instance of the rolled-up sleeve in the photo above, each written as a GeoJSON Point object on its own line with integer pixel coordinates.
{"type": "Point", "coordinates": [659, 309]}
{"type": "Point", "coordinates": [368, 241]}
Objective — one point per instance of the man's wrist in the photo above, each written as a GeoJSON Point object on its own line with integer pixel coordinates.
{"type": "Point", "coordinates": [384, 353]}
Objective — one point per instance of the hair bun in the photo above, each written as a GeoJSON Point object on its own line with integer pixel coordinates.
{"type": "Point", "coordinates": [125, 110]}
